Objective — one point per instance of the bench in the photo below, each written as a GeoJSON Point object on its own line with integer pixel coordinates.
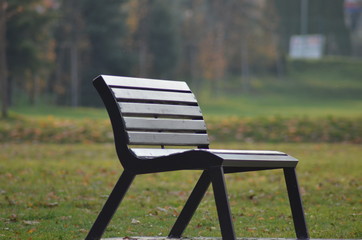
{"type": "Point", "coordinates": [145, 113]}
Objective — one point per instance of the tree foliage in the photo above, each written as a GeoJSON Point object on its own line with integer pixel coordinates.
{"type": "Point", "coordinates": [55, 47]}
{"type": "Point", "coordinates": [30, 46]}
{"type": "Point", "coordinates": [324, 17]}
{"type": "Point", "coordinates": [26, 48]}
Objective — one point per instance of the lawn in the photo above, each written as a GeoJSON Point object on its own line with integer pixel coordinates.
{"type": "Point", "coordinates": [56, 191]}
{"type": "Point", "coordinates": [309, 93]}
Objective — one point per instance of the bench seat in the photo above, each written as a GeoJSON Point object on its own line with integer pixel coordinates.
{"type": "Point", "coordinates": [231, 158]}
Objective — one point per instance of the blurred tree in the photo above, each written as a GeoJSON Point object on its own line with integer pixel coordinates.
{"type": "Point", "coordinates": [191, 26]}
{"type": "Point", "coordinates": [324, 17]}
{"type": "Point", "coordinates": [137, 38]}
{"type": "Point", "coordinates": [251, 39]}
{"type": "Point", "coordinates": [71, 44]}
{"type": "Point", "coordinates": [108, 51]}
{"type": "Point", "coordinates": [229, 38]}
{"type": "Point", "coordinates": [163, 35]}
{"type": "Point", "coordinates": [90, 41]}
{"type": "Point", "coordinates": [29, 48]}
{"type": "Point", "coordinates": [212, 57]}
{"type": "Point", "coordinates": [155, 35]}
{"type": "Point", "coordinates": [3, 60]}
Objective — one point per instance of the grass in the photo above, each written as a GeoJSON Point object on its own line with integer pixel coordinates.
{"type": "Point", "coordinates": [55, 192]}
{"type": "Point", "coordinates": [60, 112]}
{"type": "Point", "coordinates": [312, 94]}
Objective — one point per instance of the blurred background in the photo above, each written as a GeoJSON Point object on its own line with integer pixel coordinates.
{"type": "Point", "coordinates": [268, 74]}
{"type": "Point", "coordinates": [52, 49]}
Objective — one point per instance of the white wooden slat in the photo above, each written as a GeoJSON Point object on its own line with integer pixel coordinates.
{"type": "Point", "coordinates": [254, 157]}
{"type": "Point", "coordinates": [148, 95]}
{"type": "Point", "coordinates": [181, 139]}
{"type": "Point", "coordinates": [246, 152]}
{"type": "Point", "coordinates": [156, 152]}
{"type": "Point", "coordinates": [164, 124]}
{"type": "Point", "coordinates": [115, 81]}
{"type": "Point", "coordinates": [258, 161]}
{"type": "Point", "coordinates": [160, 109]}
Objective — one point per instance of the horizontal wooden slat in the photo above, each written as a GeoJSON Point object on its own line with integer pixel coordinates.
{"type": "Point", "coordinates": [114, 81]}
{"type": "Point", "coordinates": [158, 96]}
{"type": "Point", "coordinates": [182, 139]}
{"type": "Point", "coordinates": [164, 124]}
{"type": "Point", "coordinates": [160, 109]}
{"type": "Point", "coordinates": [239, 160]}
{"type": "Point", "coordinates": [232, 158]}
{"type": "Point", "coordinates": [156, 152]}
{"type": "Point", "coordinates": [245, 152]}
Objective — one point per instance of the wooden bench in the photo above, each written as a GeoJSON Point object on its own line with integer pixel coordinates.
{"type": "Point", "coordinates": [146, 112]}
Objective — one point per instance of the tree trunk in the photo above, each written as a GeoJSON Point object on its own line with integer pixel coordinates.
{"type": "Point", "coordinates": [3, 63]}
{"type": "Point", "coordinates": [143, 52]}
{"type": "Point", "coordinates": [74, 77]}
{"type": "Point", "coordinates": [74, 53]}
{"type": "Point", "coordinates": [245, 68]}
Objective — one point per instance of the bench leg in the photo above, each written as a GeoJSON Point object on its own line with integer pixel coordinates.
{"type": "Point", "coordinates": [222, 203]}
{"type": "Point", "coordinates": [296, 203]}
{"type": "Point", "coordinates": [111, 205]}
{"type": "Point", "coordinates": [191, 205]}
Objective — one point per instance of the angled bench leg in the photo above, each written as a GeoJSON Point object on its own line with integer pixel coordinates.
{"type": "Point", "coordinates": [191, 205]}
{"type": "Point", "coordinates": [222, 203]}
{"type": "Point", "coordinates": [111, 205]}
{"type": "Point", "coordinates": [295, 201]}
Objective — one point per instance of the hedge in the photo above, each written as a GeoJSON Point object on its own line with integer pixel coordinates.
{"type": "Point", "coordinates": [257, 129]}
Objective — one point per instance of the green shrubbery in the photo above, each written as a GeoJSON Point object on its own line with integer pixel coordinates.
{"type": "Point", "coordinates": [255, 129]}
{"type": "Point", "coordinates": [283, 129]}
{"type": "Point", "coordinates": [54, 130]}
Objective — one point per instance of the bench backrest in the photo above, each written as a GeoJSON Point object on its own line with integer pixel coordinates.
{"type": "Point", "coordinates": [152, 112]}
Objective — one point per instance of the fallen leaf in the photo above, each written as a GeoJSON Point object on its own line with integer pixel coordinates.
{"type": "Point", "coordinates": [162, 209]}
{"type": "Point", "coordinates": [65, 217]}
{"type": "Point", "coordinates": [52, 204]}
{"type": "Point", "coordinates": [13, 218]}
{"type": "Point", "coordinates": [31, 222]}
{"type": "Point", "coordinates": [32, 230]}
{"type": "Point", "coordinates": [135, 221]}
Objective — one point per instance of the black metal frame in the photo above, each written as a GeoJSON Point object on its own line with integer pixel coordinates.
{"type": "Point", "coordinates": [213, 168]}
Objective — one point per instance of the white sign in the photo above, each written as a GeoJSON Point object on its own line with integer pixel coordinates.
{"type": "Point", "coordinates": [306, 46]}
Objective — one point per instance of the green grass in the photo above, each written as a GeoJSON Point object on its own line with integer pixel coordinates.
{"type": "Point", "coordinates": [60, 112]}
{"type": "Point", "coordinates": [256, 106]}
{"type": "Point", "coordinates": [309, 93]}
{"type": "Point", "coordinates": [55, 192]}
